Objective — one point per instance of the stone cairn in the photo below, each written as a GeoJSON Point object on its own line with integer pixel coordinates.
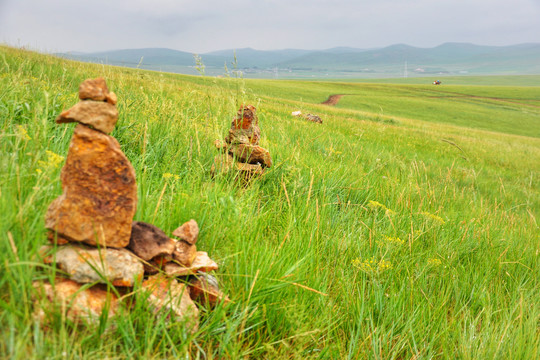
{"type": "Point", "coordinates": [241, 150]}
{"type": "Point", "coordinates": [95, 242]}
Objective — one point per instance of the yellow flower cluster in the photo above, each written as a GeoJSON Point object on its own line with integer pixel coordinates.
{"type": "Point", "coordinates": [375, 205]}
{"type": "Point", "coordinates": [331, 150]}
{"type": "Point", "coordinates": [388, 240]}
{"type": "Point", "coordinates": [53, 161]}
{"type": "Point", "coordinates": [171, 176]}
{"type": "Point", "coordinates": [372, 266]}
{"type": "Point", "coordinates": [433, 217]}
{"type": "Point", "coordinates": [22, 133]}
{"type": "Point", "coordinates": [434, 262]}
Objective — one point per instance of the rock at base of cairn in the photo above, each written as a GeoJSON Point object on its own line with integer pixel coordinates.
{"type": "Point", "coordinates": [100, 192]}
{"type": "Point", "coordinates": [224, 163]}
{"type": "Point", "coordinates": [77, 304]}
{"type": "Point", "coordinates": [204, 288]}
{"type": "Point", "coordinates": [250, 154]}
{"type": "Point", "coordinates": [88, 264]}
{"type": "Point", "coordinates": [168, 295]}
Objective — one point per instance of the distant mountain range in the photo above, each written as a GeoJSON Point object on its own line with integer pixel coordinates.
{"type": "Point", "coordinates": [392, 61]}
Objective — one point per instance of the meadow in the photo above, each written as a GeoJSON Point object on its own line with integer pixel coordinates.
{"type": "Point", "coordinates": [403, 227]}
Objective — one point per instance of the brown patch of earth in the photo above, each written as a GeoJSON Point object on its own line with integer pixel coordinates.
{"type": "Point", "coordinates": [333, 99]}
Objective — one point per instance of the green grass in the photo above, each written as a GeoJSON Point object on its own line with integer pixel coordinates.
{"type": "Point", "coordinates": [312, 262]}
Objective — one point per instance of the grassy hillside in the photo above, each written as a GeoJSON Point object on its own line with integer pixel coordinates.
{"type": "Point", "coordinates": [390, 233]}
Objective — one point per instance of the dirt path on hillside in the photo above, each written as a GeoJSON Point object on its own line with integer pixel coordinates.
{"type": "Point", "coordinates": [333, 99]}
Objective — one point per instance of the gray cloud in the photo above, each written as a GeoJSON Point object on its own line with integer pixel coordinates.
{"type": "Point", "coordinates": [63, 25]}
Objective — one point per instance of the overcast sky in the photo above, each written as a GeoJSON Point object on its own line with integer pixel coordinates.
{"type": "Point", "coordinates": [205, 25]}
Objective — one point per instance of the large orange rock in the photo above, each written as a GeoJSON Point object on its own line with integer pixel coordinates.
{"type": "Point", "coordinates": [100, 192]}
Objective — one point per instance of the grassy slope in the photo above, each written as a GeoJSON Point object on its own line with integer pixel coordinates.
{"type": "Point", "coordinates": [314, 270]}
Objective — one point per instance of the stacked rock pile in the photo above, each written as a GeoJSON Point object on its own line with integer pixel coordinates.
{"type": "Point", "coordinates": [96, 244]}
{"type": "Point", "coordinates": [241, 150]}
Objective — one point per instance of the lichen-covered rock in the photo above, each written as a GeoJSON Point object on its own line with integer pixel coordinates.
{"type": "Point", "coordinates": [77, 304]}
{"type": "Point", "coordinates": [100, 192]}
{"type": "Point", "coordinates": [245, 127]}
{"type": "Point", "coordinates": [189, 232]}
{"type": "Point", "coordinates": [87, 265]}
{"type": "Point", "coordinates": [204, 288]}
{"type": "Point", "coordinates": [167, 296]}
{"type": "Point", "coordinates": [100, 115]}
{"type": "Point", "coordinates": [148, 241]}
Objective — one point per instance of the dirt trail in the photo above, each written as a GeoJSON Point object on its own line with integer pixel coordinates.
{"type": "Point", "coordinates": [333, 99]}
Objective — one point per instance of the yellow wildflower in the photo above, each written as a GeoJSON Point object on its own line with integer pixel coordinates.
{"type": "Point", "coordinates": [171, 176]}
{"type": "Point", "coordinates": [375, 205]}
{"type": "Point", "coordinates": [433, 217]}
{"type": "Point", "coordinates": [391, 241]}
{"type": "Point", "coordinates": [372, 266]}
{"type": "Point", "coordinates": [22, 133]}
{"type": "Point", "coordinates": [434, 262]}
{"type": "Point", "coordinates": [53, 161]}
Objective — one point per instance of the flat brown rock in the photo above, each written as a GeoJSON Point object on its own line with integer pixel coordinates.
{"type": "Point", "coordinates": [77, 304]}
{"type": "Point", "coordinates": [189, 232]}
{"type": "Point", "coordinates": [168, 296]}
{"type": "Point", "coordinates": [87, 265]}
{"type": "Point", "coordinates": [93, 89]}
{"type": "Point", "coordinates": [148, 241]}
{"type": "Point", "coordinates": [251, 154]}
{"type": "Point", "coordinates": [100, 192]}
{"type": "Point", "coordinates": [100, 115]}
{"type": "Point", "coordinates": [202, 263]}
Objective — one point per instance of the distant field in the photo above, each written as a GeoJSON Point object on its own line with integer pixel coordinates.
{"type": "Point", "coordinates": [498, 80]}
{"type": "Point", "coordinates": [406, 226]}
{"type": "Point", "coordinates": [503, 108]}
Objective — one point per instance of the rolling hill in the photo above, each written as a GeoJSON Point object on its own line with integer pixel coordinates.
{"type": "Point", "coordinates": [392, 61]}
